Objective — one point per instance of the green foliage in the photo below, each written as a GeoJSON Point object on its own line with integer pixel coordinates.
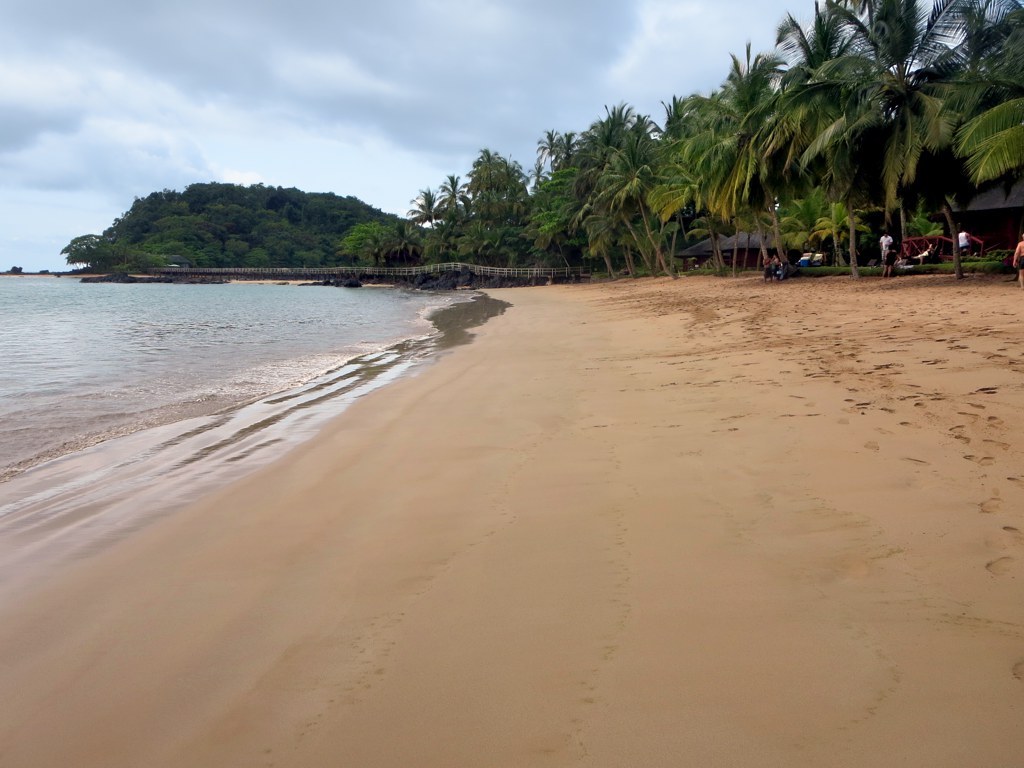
{"type": "Point", "coordinates": [945, 268]}
{"type": "Point", "coordinates": [921, 225]}
{"type": "Point", "coordinates": [226, 225]}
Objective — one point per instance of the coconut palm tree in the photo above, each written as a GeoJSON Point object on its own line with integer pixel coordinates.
{"type": "Point", "coordinates": [425, 208]}
{"type": "Point", "coordinates": [992, 140]}
{"type": "Point", "coordinates": [799, 217]}
{"type": "Point", "coordinates": [893, 78]}
{"type": "Point", "coordinates": [453, 198]}
{"type": "Point", "coordinates": [835, 224]}
{"type": "Point", "coordinates": [623, 189]}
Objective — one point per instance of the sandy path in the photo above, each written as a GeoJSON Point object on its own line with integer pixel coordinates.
{"type": "Point", "coordinates": [660, 523]}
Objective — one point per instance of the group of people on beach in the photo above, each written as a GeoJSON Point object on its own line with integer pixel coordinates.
{"type": "Point", "coordinates": [776, 269]}
{"type": "Point", "coordinates": [892, 260]}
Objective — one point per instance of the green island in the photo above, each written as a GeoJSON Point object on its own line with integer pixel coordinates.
{"type": "Point", "coordinates": [893, 116]}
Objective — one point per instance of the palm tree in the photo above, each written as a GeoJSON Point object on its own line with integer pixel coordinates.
{"type": "Point", "coordinates": [548, 147]}
{"type": "Point", "coordinates": [425, 208]}
{"type": "Point", "coordinates": [992, 141]}
{"type": "Point", "coordinates": [404, 244]}
{"type": "Point", "coordinates": [836, 224]}
{"type": "Point", "coordinates": [731, 152]}
{"type": "Point", "coordinates": [623, 188]}
{"type": "Point", "coordinates": [892, 79]}
{"type": "Point", "coordinates": [799, 219]}
{"type": "Point", "coordinates": [453, 200]}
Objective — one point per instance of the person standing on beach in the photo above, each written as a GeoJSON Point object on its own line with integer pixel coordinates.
{"type": "Point", "coordinates": [884, 244]}
{"type": "Point", "coordinates": [888, 255]}
{"type": "Point", "coordinates": [964, 242]}
{"type": "Point", "coordinates": [1018, 261]}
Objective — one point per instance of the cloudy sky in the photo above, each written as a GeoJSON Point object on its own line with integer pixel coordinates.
{"type": "Point", "coordinates": [102, 102]}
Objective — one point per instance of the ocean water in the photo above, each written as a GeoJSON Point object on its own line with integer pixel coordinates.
{"type": "Point", "coordinates": [121, 403]}
{"type": "Point", "coordinates": [80, 363]}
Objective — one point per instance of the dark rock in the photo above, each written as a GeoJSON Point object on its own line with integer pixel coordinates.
{"type": "Point", "coordinates": [123, 278]}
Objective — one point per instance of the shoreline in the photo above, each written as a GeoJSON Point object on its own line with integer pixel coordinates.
{"type": "Point", "coordinates": [644, 522]}
{"type": "Point", "coordinates": [70, 505]}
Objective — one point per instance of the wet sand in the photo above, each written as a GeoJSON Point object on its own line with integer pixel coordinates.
{"type": "Point", "coordinates": [658, 523]}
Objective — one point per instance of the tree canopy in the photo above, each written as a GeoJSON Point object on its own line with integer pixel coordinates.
{"type": "Point", "coordinates": [892, 111]}
{"type": "Point", "coordinates": [227, 225]}
{"type": "Point", "coordinates": [888, 112]}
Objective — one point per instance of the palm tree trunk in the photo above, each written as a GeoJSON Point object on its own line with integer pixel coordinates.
{"type": "Point", "coordinates": [764, 246]}
{"type": "Point", "coordinates": [655, 242]}
{"type": "Point", "coordinates": [672, 249]}
{"type": "Point", "coordinates": [735, 249]}
{"type": "Point", "coordinates": [648, 262]}
{"type": "Point", "coordinates": [716, 251]}
{"type": "Point", "coordinates": [630, 266]}
{"type": "Point", "coordinates": [853, 239]}
{"type": "Point", "coordinates": [777, 234]}
{"type": "Point", "coordinates": [947, 211]}
{"type": "Point", "coordinates": [746, 253]}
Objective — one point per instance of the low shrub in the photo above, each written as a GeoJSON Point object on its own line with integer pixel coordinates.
{"type": "Point", "coordinates": [986, 267]}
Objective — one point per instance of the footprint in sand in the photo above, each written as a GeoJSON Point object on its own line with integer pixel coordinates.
{"type": "Point", "coordinates": [1000, 566]}
{"type": "Point", "coordinates": [957, 430]}
{"type": "Point", "coordinates": [997, 444]}
{"type": "Point", "coordinates": [871, 445]}
{"type": "Point", "coordinates": [982, 461]}
{"type": "Point", "coordinates": [986, 390]}
{"type": "Point", "coordinates": [1018, 670]}
{"type": "Point", "coordinates": [995, 421]}
{"type": "Point", "coordinates": [991, 506]}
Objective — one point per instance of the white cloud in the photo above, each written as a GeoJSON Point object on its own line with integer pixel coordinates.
{"type": "Point", "coordinates": [328, 75]}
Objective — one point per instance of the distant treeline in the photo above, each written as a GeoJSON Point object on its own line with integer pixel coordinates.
{"type": "Point", "coordinates": [227, 225]}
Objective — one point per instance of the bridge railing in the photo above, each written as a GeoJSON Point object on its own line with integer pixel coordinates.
{"type": "Point", "coordinates": [326, 272]}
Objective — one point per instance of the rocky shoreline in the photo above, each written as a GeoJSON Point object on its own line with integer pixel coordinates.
{"type": "Point", "coordinates": [463, 279]}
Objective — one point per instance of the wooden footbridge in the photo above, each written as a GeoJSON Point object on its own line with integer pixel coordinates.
{"type": "Point", "coordinates": [562, 274]}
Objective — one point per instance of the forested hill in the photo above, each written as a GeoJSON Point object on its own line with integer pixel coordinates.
{"type": "Point", "coordinates": [227, 225]}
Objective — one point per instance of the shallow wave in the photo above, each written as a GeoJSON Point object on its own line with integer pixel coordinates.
{"type": "Point", "coordinates": [92, 494]}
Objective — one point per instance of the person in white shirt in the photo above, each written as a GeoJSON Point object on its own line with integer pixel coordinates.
{"type": "Point", "coordinates": [964, 242]}
{"type": "Point", "coordinates": [888, 255]}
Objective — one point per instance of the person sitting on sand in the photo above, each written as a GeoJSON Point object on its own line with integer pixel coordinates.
{"type": "Point", "coordinates": [1018, 261]}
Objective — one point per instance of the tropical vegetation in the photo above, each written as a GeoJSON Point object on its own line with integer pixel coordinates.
{"type": "Point", "coordinates": [871, 114]}
{"type": "Point", "coordinates": [226, 225]}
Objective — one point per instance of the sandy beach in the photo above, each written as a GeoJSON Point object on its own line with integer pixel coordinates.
{"type": "Point", "coordinates": [648, 523]}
